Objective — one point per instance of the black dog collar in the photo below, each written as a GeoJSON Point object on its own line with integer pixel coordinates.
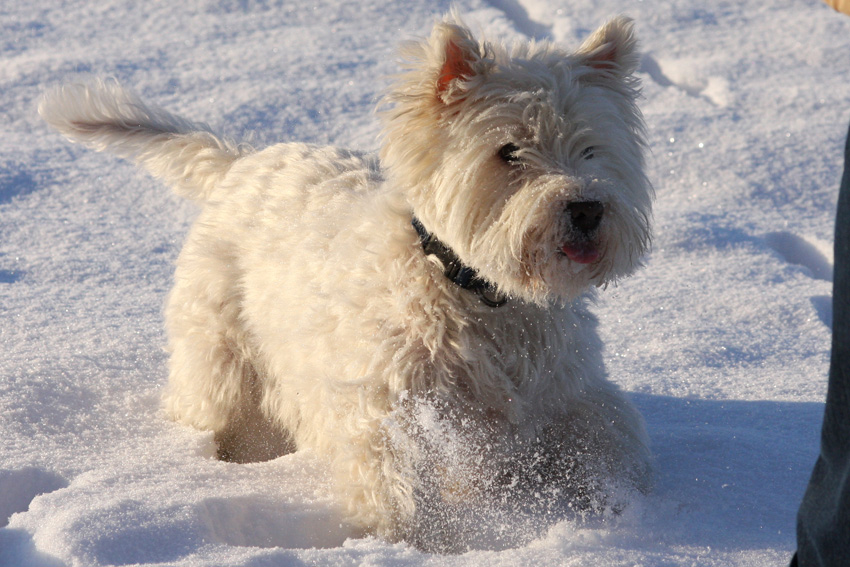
{"type": "Point", "coordinates": [464, 276]}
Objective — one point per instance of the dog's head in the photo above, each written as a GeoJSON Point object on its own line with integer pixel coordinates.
{"type": "Point", "coordinates": [527, 162]}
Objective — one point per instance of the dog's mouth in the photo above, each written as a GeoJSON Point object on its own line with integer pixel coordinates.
{"type": "Point", "coordinates": [584, 218]}
{"type": "Point", "coordinates": [581, 252]}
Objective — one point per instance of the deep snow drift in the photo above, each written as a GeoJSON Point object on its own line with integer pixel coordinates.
{"type": "Point", "coordinates": [722, 340]}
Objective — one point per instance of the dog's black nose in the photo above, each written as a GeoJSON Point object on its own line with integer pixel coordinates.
{"type": "Point", "coordinates": [586, 215]}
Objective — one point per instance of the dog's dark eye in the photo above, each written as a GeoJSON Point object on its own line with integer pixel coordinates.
{"type": "Point", "coordinates": [587, 153]}
{"type": "Point", "coordinates": [508, 153]}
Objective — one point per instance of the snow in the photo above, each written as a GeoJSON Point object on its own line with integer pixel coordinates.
{"type": "Point", "coordinates": [722, 339]}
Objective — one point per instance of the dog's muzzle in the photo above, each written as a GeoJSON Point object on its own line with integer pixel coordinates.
{"type": "Point", "coordinates": [585, 217]}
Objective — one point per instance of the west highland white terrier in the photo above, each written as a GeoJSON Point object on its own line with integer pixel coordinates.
{"type": "Point", "coordinates": [420, 320]}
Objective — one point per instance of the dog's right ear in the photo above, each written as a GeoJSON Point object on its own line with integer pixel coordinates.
{"type": "Point", "coordinates": [459, 59]}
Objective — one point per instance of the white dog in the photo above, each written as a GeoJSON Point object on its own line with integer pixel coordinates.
{"type": "Point", "coordinates": [420, 321]}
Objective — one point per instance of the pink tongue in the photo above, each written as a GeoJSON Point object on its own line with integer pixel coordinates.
{"type": "Point", "coordinates": [581, 253]}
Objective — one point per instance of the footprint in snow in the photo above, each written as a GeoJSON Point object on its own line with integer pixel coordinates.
{"type": "Point", "coordinates": [816, 256]}
{"type": "Point", "coordinates": [518, 14]}
{"type": "Point", "coordinates": [813, 255]}
{"type": "Point", "coordinates": [689, 76]}
{"type": "Point", "coordinates": [18, 488]}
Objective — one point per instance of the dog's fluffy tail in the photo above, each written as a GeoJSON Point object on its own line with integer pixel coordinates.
{"type": "Point", "coordinates": [105, 116]}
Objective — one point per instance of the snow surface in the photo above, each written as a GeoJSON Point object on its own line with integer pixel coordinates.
{"type": "Point", "coordinates": [723, 339]}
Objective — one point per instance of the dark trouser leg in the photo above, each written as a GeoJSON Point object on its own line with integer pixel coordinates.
{"type": "Point", "coordinates": [823, 523]}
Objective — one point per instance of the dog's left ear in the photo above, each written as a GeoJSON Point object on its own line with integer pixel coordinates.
{"type": "Point", "coordinates": [612, 48]}
{"type": "Point", "coordinates": [459, 57]}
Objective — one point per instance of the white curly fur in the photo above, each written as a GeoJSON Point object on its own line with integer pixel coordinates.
{"type": "Point", "coordinates": [305, 314]}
